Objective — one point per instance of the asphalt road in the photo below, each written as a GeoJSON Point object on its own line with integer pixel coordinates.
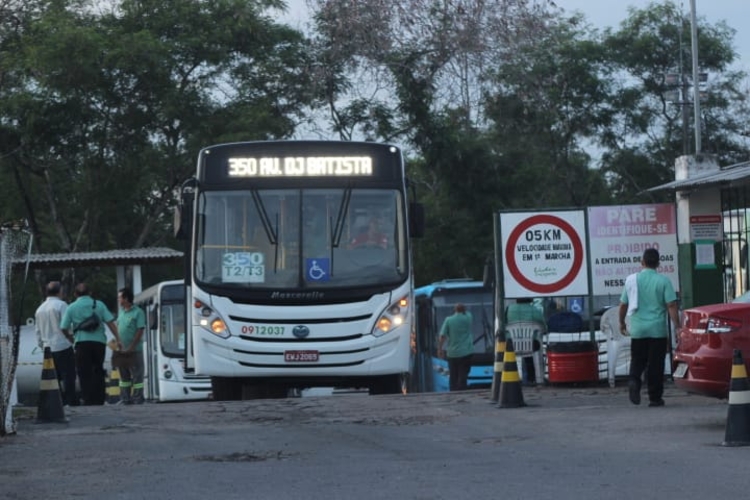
{"type": "Point", "coordinates": [567, 443]}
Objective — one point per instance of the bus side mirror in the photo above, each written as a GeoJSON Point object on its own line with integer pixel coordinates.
{"type": "Point", "coordinates": [179, 224]}
{"type": "Point", "coordinates": [416, 220]}
{"type": "Point", "coordinates": [183, 212]}
{"type": "Point", "coordinates": [488, 274]}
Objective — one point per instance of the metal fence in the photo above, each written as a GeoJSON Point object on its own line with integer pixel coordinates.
{"type": "Point", "coordinates": [15, 246]}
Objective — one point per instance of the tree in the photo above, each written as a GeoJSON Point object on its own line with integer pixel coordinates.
{"type": "Point", "coordinates": [651, 129]}
{"type": "Point", "coordinates": [549, 100]}
{"type": "Point", "coordinates": [426, 65]}
{"type": "Point", "coordinates": [108, 109]}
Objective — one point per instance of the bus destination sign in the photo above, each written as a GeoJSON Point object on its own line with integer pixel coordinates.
{"type": "Point", "coordinates": [301, 166]}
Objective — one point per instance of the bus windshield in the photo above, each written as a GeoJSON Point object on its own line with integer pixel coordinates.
{"type": "Point", "coordinates": [301, 238]}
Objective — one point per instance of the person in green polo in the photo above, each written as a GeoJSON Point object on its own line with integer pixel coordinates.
{"type": "Point", "coordinates": [90, 346]}
{"type": "Point", "coordinates": [131, 323]}
{"type": "Point", "coordinates": [647, 301]}
{"type": "Point", "coordinates": [457, 332]}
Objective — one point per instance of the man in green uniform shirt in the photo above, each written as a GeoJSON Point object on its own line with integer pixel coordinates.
{"type": "Point", "coordinates": [650, 298]}
{"type": "Point", "coordinates": [457, 331]}
{"type": "Point", "coordinates": [131, 323]}
{"type": "Point", "coordinates": [90, 346]}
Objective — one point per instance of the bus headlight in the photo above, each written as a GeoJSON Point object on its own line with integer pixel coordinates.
{"type": "Point", "coordinates": [219, 327]}
{"type": "Point", "coordinates": [394, 316]}
{"type": "Point", "coordinates": [207, 319]}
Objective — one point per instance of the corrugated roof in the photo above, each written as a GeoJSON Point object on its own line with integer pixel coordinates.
{"type": "Point", "coordinates": [738, 173]}
{"type": "Point", "coordinates": [131, 256]}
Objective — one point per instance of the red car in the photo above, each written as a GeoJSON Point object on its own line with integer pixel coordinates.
{"type": "Point", "coordinates": [705, 345]}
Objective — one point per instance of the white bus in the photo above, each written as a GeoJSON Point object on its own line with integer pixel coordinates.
{"type": "Point", "coordinates": [299, 266]}
{"type": "Point", "coordinates": [164, 346]}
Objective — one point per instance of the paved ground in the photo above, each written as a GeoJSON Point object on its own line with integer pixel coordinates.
{"type": "Point", "coordinates": [569, 442]}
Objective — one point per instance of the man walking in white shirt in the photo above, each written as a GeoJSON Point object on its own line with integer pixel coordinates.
{"type": "Point", "coordinates": [49, 334]}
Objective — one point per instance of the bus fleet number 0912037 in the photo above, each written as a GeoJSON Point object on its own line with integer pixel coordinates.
{"type": "Point", "coordinates": [262, 330]}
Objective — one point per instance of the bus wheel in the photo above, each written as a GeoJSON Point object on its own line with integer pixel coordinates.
{"type": "Point", "coordinates": [226, 388]}
{"type": "Point", "coordinates": [277, 392]}
{"type": "Point", "coordinates": [252, 390]}
{"type": "Point", "coordinates": [388, 384]}
{"type": "Point", "coordinates": [257, 389]}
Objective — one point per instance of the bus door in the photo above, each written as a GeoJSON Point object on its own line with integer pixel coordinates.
{"type": "Point", "coordinates": [425, 346]}
{"type": "Point", "coordinates": [151, 348]}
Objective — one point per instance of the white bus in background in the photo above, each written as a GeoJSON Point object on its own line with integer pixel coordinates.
{"type": "Point", "coordinates": [164, 346]}
{"type": "Point", "coordinates": [299, 267]}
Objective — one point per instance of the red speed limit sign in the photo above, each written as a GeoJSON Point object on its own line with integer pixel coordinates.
{"type": "Point", "coordinates": [544, 253]}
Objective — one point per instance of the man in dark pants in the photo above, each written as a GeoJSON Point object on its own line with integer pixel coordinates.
{"type": "Point", "coordinates": [457, 331]}
{"type": "Point", "coordinates": [48, 333]}
{"type": "Point", "coordinates": [647, 298]}
{"type": "Point", "coordinates": [90, 346]}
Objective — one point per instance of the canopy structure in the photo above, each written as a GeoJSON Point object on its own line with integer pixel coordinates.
{"type": "Point", "coordinates": [730, 176]}
{"type": "Point", "coordinates": [134, 257]}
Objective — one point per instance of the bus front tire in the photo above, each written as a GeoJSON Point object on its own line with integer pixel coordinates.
{"type": "Point", "coordinates": [388, 384]}
{"type": "Point", "coordinates": [226, 388]}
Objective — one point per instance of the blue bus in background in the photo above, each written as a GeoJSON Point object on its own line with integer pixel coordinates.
{"type": "Point", "coordinates": [434, 303]}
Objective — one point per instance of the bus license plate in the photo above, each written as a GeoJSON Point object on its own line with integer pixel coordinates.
{"type": "Point", "coordinates": [681, 370]}
{"type": "Point", "coordinates": [301, 356]}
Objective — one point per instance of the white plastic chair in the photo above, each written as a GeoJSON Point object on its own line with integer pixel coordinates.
{"type": "Point", "coordinates": [618, 345]}
{"type": "Point", "coordinates": [523, 334]}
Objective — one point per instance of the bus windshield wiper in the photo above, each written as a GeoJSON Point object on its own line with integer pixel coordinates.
{"type": "Point", "coordinates": [271, 233]}
{"type": "Point", "coordinates": [338, 230]}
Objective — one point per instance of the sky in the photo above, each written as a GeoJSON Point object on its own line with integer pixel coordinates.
{"type": "Point", "coordinates": [609, 13]}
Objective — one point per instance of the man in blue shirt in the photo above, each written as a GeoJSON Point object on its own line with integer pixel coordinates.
{"type": "Point", "coordinates": [651, 298]}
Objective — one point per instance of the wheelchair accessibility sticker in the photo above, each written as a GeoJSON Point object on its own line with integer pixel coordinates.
{"type": "Point", "coordinates": [318, 269]}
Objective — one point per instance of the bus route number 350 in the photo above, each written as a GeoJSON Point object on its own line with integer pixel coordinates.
{"type": "Point", "coordinates": [243, 267]}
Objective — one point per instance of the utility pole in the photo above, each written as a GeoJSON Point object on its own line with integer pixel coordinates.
{"type": "Point", "coordinates": [696, 91]}
{"type": "Point", "coordinates": [679, 83]}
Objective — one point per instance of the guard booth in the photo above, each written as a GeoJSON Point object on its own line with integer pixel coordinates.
{"type": "Point", "coordinates": [713, 217]}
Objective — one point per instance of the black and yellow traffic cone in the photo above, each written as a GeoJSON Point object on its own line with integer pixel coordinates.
{"type": "Point", "coordinates": [498, 367]}
{"type": "Point", "coordinates": [511, 395]}
{"type": "Point", "coordinates": [50, 407]}
{"type": "Point", "coordinates": [113, 387]}
{"type": "Point", "coordinates": [738, 415]}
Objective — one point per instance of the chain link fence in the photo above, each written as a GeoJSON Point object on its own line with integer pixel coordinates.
{"type": "Point", "coordinates": [15, 247]}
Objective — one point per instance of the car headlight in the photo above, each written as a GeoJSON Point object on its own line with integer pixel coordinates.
{"type": "Point", "coordinates": [393, 317]}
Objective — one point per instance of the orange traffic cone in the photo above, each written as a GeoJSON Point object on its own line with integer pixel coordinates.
{"type": "Point", "coordinates": [50, 407]}
{"type": "Point", "coordinates": [499, 355]}
{"type": "Point", "coordinates": [511, 395]}
{"type": "Point", "coordinates": [738, 415]}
